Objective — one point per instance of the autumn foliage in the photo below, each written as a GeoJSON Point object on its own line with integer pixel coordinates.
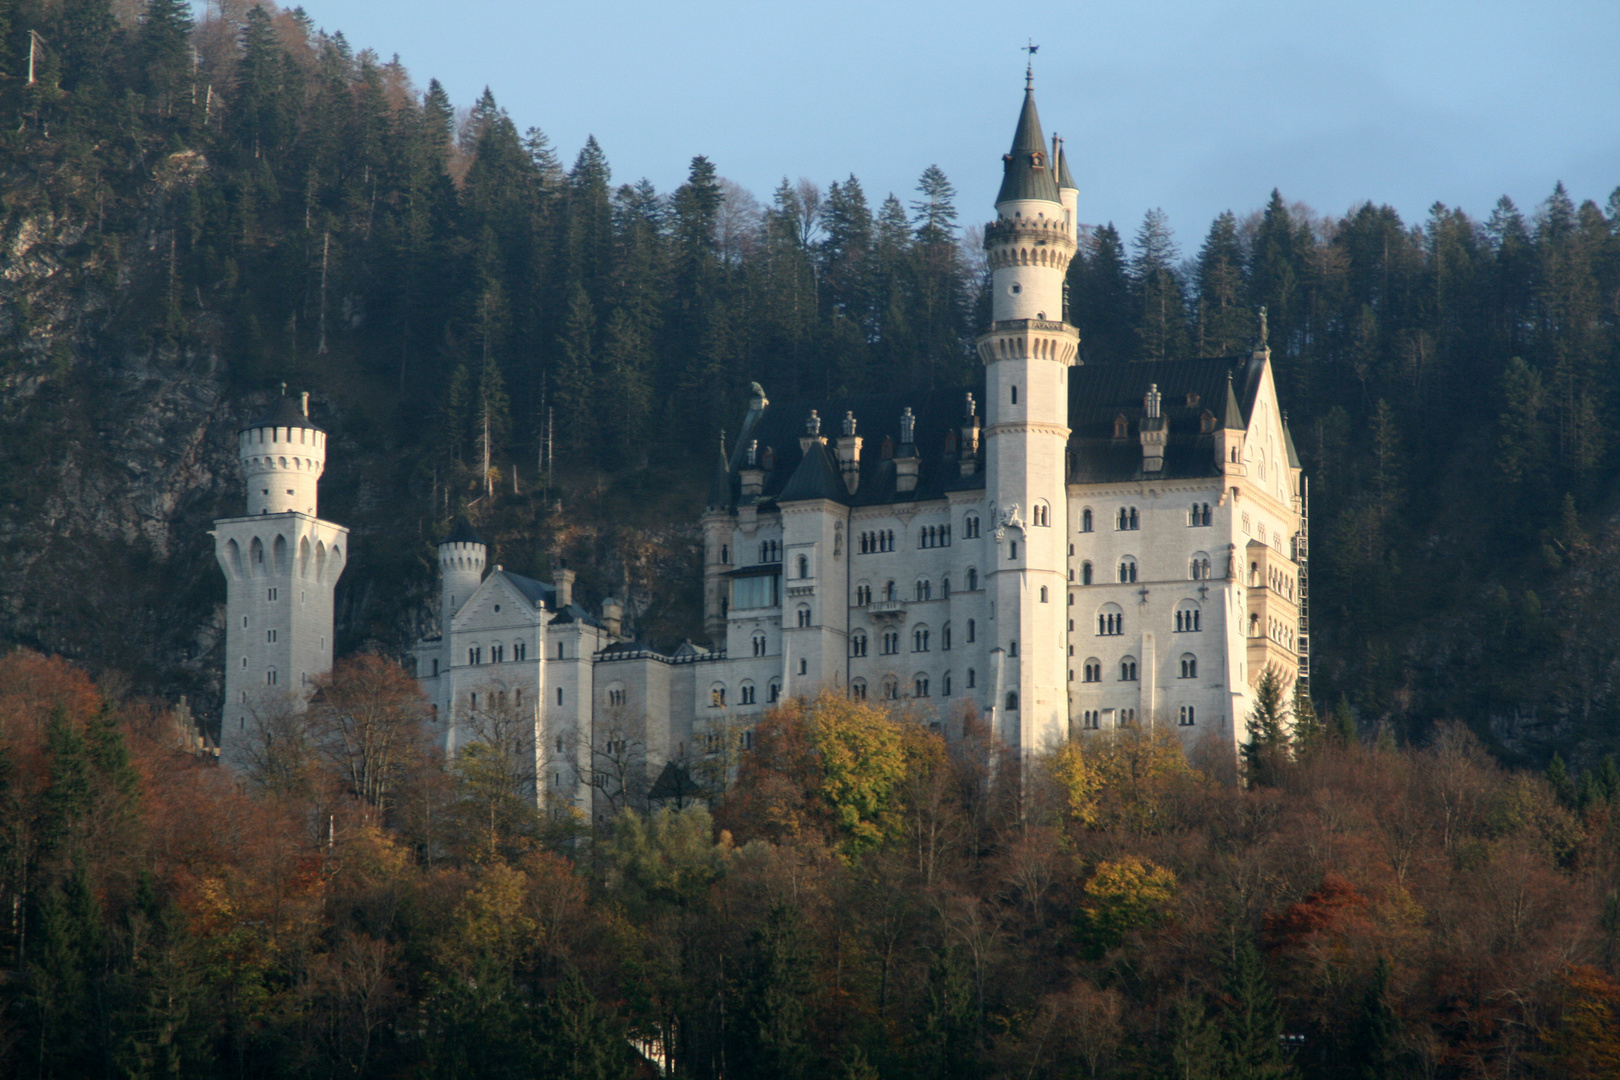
{"type": "Point", "coordinates": [873, 898]}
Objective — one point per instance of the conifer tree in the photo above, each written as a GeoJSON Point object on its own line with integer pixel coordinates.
{"type": "Point", "coordinates": [1224, 318]}
{"type": "Point", "coordinates": [1163, 327]}
{"type": "Point", "coordinates": [1373, 1040]}
{"type": "Point", "coordinates": [1251, 1021]}
{"type": "Point", "coordinates": [1557, 777]}
{"type": "Point", "coordinates": [1100, 299]}
{"type": "Point", "coordinates": [1267, 749]}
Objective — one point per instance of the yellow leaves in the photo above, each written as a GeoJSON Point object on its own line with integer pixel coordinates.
{"type": "Point", "coordinates": [1125, 894]}
{"type": "Point", "coordinates": [864, 758]}
{"type": "Point", "coordinates": [492, 924]}
{"type": "Point", "coordinates": [1120, 779]}
{"type": "Point", "coordinates": [1078, 782]}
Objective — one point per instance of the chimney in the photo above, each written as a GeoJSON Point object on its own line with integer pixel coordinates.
{"type": "Point", "coordinates": [612, 616]}
{"type": "Point", "coordinates": [849, 454]}
{"type": "Point", "coordinates": [906, 460]}
{"type": "Point", "coordinates": [563, 579]}
{"type": "Point", "coordinates": [812, 433]}
{"type": "Point", "coordinates": [969, 450]}
{"type": "Point", "coordinates": [1152, 431]}
{"type": "Point", "coordinates": [752, 476]}
{"type": "Point", "coordinates": [303, 402]}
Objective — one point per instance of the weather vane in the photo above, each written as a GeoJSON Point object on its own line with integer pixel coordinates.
{"type": "Point", "coordinates": [1029, 68]}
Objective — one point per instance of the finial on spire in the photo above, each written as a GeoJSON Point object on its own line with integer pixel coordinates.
{"type": "Point", "coordinates": [908, 426]}
{"type": "Point", "coordinates": [1264, 340]}
{"type": "Point", "coordinates": [972, 409]}
{"type": "Point", "coordinates": [1029, 68]}
{"type": "Point", "coordinates": [849, 423]}
{"type": "Point", "coordinates": [812, 425]}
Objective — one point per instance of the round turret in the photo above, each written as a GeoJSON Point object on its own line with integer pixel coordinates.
{"type": "Point", "coordinates": [283, 456]}
{"type": "Point", "coordinates": [461, 568]}
{"type": "Point", "coordinates": [1032, 240]}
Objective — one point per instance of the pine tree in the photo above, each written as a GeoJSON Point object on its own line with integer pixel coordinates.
{"type": "Point", "coordinates": [1100, 299]}
{"type": "Point", "coordinates": [1267, 749]}
{"type": "Point", "coordinates": [1557, 777]}
{"type": "Point", "coordinates": [1342, 725]}
{"type": "Point", "coordinates": [935, 212]}
{"type": "Point", "coordinates": [1373, 1040]}
{"type": "Point", "coordinates": [1251, 1021]}
{"type": "Point", "coordinates": [163, 47]}
{"type": "Point", "coordinates": [1163, 327]}
{"type": "Point", "coordinates": [1224, 318]}
{"type": "Point", "coordinates": [773, 1031]}
{"type": "Point", "coordinates": [1195, 1043]}
{"type": "Point", "coordinates": [574, 378]}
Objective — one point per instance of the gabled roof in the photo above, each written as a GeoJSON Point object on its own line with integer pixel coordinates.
{"type": "Point", "coordinates": [283, 412]}
{"type": "Point", "coordinates": [461, 533]}
{"type": "Point", "coordinates": [1027, 171]}
{"type": "Point", "coordinates": [674, 783]}
{"type": "Point", "coordinates": [543, 596]}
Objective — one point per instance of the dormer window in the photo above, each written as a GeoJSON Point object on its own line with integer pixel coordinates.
{"type": "Point", "coordinates": [1122, 426]}
{"type": "Point", "coordinates": [1206, 422]}
{"type": "Point", "coordinates": [1193, 400]}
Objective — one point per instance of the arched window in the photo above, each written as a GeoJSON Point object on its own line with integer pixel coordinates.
{"type": "Point", "coordinates": [891, 690]}
{"type": "Point", "coordinates": [1127, 520]}
{"type": "Point", "coordinates": [945, 588]}
{"type": "Point", "coordinates": [1091, 719]}
{"type": "Point", "coordinates": [1127, 570]}
{"type": "Point", "coordinates": [891, 642]}
{"type": "Point", "coordinates": [970, 628]}
{"type": "Point", "coordinates": [1110, 620]}
{"type": "Point", "coordinates": [970, 679]}
{"type": "Point", "coordinates": [1189, 619]}
{"type": "Point", "coordinates": [1254, 626]}
{"type": "Point", "coordinates": [1015, 394]}
{"type": "Point", "coordinates": [1122, 427]}
{"type": "Point", "coordinates": [773, 692]}
{"type": "Point", "coordinates": [1092, 670]}
{"type": "Point", "coordinates": [759, 644]}
{"type": "Point", "coordinates": [888, 590]}
{"type": "Point", "coordinates": [972, 579]}
{"type": "Point", "coordinates": [1187, 718]}
{"type": "Point", "coordinates": [1198, 567]}
{"type": "Point", "coordinates": [945, 638]}
{"type": "Point", "coordinates": [919, 686]}
{"type": "Point", "coordinates": [746, 693]}
{"type": "Point", "coordinates": [919, 639]}
{"type": "Point", "coordinates": [857, 643]}
{"type": "Point", "coordinates": [717, 696]}
{"type": "Point", "coordinates": [970, 526]}
{"type": "Point", "coordinates": [863, 595]}
{"type": "Point", "coordinates": [924, 590]}
{"type": "Point", "coordinates": [1254, 575]}
{"type": "Point", "coordinates": [1206, 422]}
{"type": "Point", "coordinates": [947, 684]}
{"type": "Point", "coordinates": [1127, 669]}
{"type": "Point", "coordinates": [520, 650]}
{"type": "Point", "coordinates": [804, 615]}
{"type": "Point", "coordinates": [1012, 701]}
{"type": "Point", "coordinates": [1189, 666]}
{"type": "Point", "coordinates": [804, 567]}
{"type": "Point", "coordinates": [857, 689]}
{"type": "Point", "coordinates": [1041, 513]}
{"type": "Point", "coordinates": [1043, 594]}
{"type": "Point", "coordinates": [725, 553]}
{"type": "Point", "coordinates": [1085, 573]}
{"type": "Point", "coordinates": [1085, 520]}
{"type": "Point", "coordinates": [1012, 647]}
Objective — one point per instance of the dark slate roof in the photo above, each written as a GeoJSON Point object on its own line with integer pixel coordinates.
{"type": "Point", "coordinates": [462, 533]}
{"type": "Point", "coordinates": [283, 412]}
{"type": "Point", "coordinates": [541, 594]}
{"type": "Point", "coordinates": [1100, 393]}
{"type": "Point", "coordinates": [674, 783]}
{"type": "Point", "coordinates": [779, 426]}
{"type": "Point", "coordinates": [1288, 444]}
{"type": "Point", "coordinates": [1027, 169]}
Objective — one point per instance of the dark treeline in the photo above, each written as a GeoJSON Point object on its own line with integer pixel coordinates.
{"type": "Point", "coordinates": [862, 902]}
{"type": "Point", "coordinates": [252, 189]}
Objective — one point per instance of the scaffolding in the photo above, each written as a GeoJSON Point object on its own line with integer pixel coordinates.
{"type": "Point", "coordinates": [1302, 557]}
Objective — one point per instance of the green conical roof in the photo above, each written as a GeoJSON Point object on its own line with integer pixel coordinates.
{"type": "Point", "coordinates": [1065, 180]}
{"type": "Point", "coordinates": [1231, 412]}
{"type": "Point", "coordinates": [1027, 169]}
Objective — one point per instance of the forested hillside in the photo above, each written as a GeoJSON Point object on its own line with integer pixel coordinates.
{"type": "Point", "coordinates": [196, 213]}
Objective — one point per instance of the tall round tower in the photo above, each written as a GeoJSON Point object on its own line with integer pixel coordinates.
{"type": "Point", "coordinates": [283, 456]}
{"type": "Point", "coordinates": [1027, 351]}
{"type": "Point", "coordinates": [461, 568]}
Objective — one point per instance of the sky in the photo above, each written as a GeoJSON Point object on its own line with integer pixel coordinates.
{"type": "Point", "coordinates": [1191, 107]}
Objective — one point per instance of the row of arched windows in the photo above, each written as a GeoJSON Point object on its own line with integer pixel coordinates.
{"type": "Point", "coordinates": [1199, 515]}
{"type": "Point", "coordinates": [497, 652]}
{"type": "Point", "coordinates": [1188, 619]}
{"type": "Point", "coordinates": [770, 551]}
{"type": "Point", "coordinates": [747, 694]}
{"type": "Point", "coordinates": [922, 685]}
{"type": "Point", "coordinates": [879, 540]}
{"type": "Point", "coordinates": [930, 536]}
{"type": "Point", "coordinates": [1198, 569]}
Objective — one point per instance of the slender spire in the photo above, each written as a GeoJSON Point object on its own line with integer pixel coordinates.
{"type": "Point", "coordinates": [1027, 168]}
{"type": "Point", "coordinates": [1065, 180]}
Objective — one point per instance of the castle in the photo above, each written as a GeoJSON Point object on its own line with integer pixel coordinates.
{"type": "Point", "coordinates": [1069, 549]}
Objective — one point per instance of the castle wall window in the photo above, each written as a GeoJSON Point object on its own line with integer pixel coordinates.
{"type": "Point", "coordinates": [924, 590]}
{"type": "Point", "coordinates": [1085, 520]}
{"type": "Point", "coordinates": [1127, 669]}
{"type": "Point", "coordinates": [270, 635]}
{"type": "Point", "coordinates": [1012, 701]}
{"type": "Point", "coordinates": [1041, 513]}
{"type": "Point", "coordinates": [970, 628]}
{"type": "Point", "coordinates": [1122, 427]}
{"type": "Point", "coordinates": [804, 666]}
{"type": "Point", "coordinates": [1091, 671]}
{"type": "Point", "coordinates": [891, 690]}
{"type": "Point", "coordinates": [473, 701]}
{"type": "Point", "coordinates": [1012, 647]}
{"type": "Point", "coordinates": [559, 695]}
{"type": "Point", "coordinates": [889, 591]}
{"type": "Point", "coordinates": [945, 638]}
{"type": "Point", "coordinates": [270, 594]}
{"type": "Point", "coordinates": [1198, 515]}
{"type": "Point", "coordinates": [945, 588]}
{"type": "Point", "coordinates": [725, 553]}
{"type": "Point", "coordinates": [757, 591]}
{"type": "Point", "coordinates": [475, 655]}
{"type": "Point", "coordinates": [972, 579]}
{"type": "Point", "coordinates": [1015, 394]}
{"type": "Point", "coordinates": [616, 695]}
{"type": "Point", "coordinates": [1085, 573]}
{"type": "Point", "coordinates": [1198, 567]}
{"type": "Point", "coordinates": [1187, 718]}
{"type": "Point", "coordinates": [1189, 619]}
{"type": "Point", "coordinates": [717, 696]}
{"type": "Point", "coordinates": [947, 684]}
{"type": "Point", "coordinates": [770, 551]}
{"type": "Point", "coordinates": [1127, 570]}
{"type": "Point", "coordinates": [1206, 422]}
{"type": "Point", "coordinates": [804, 616]}
{"type": "Point", "coordinates": [1091, 719]}
{"type": "Point", "coordinates": [857, 690]}
{"type": "Point", "coordinates": [1043, 594]}
{"type": "Point", "coordinates": [270, 677]}
{"type": "Point", "coordinates": [495, 653]}
{"type": "Point", "coordinates": [970, 526]}
{"type": "Point", "coordinates": [747, 692]}
{"type": "Point", "coordinates": [1127, 717]}
{"type": "Point", "coordinates": [759, 644]}
{"type": "Point", "coordinates": [1012, 552]}
{"type": "Point", "coordinates": [919, 639]}
{"type": "Point", "coordinates": [919, 686]}
{"type": "Point", "coordinates": [857, 644]}
{"type": "Point", "coordinates": [773, 691]}
{"type": "Point", "coordinates": [435, 667]}
{"type": "Point", "coordinates": [804, 568]}
{"type": "Point", "coordinates": [863, 595]}
{"type": "Point", "coordinates": [891, 642]}
{"type": "Point", "coordinates": [970, 678]}
{"type": "Point", "coordinates": [1189, 666]}
{"type": "Point", "coordinates": [559, 650]}
{"type": "Point", "coordinates": [1127, 520]}
{"type": "Point", "coordinates": [1110, 621]}
{"type": "Point", "coordinates": [520, 650]}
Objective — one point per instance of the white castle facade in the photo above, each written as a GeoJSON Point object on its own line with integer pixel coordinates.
{"type": "Point", "coordinates": [1067, 549]}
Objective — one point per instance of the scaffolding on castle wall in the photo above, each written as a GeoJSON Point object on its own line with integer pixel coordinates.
{"type": "Point", "coordinates": [1302, 557]}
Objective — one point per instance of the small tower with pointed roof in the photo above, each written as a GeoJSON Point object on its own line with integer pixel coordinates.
{"type": "Point", "coordinates": [281, 565]}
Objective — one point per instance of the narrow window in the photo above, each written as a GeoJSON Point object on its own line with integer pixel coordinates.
{"type": "Point", "coordinates": [1043, 594]}
{"type": "Point", "coordinates": [559, 695]}
{"type": "Point", "coordinates": [1015, 394]}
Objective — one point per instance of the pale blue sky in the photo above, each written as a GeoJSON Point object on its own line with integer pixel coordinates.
{"type": "Point", "coordinates": [1194, 107]}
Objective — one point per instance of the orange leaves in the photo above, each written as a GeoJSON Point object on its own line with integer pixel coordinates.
{"type": "Point", "coordinates": [1334, 908]}
{"type": "Point", "coordinates": [1584, 1042]}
